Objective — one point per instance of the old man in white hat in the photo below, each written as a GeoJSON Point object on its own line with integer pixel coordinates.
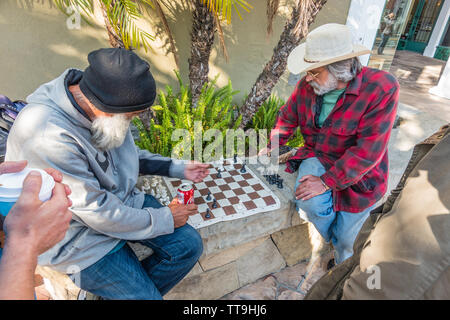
{"type": "Point", "coordinates": [345, 112]}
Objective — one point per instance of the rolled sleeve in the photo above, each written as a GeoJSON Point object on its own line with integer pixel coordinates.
{"type": "Point", "coordinates": [176, 169]}
{"type": "Point", "coordinates": [161, 220]}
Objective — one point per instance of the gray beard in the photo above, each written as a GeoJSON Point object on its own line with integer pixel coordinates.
{"type": "Point", "coordinates": [109, 132]}
{"type": "Point", "coordinates": [330, 85]}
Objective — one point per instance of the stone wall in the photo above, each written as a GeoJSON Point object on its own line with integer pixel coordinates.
{"type": "Point", "coordinates": [236, 253]}
{"type": "Point", "coordinates": [220, 273]}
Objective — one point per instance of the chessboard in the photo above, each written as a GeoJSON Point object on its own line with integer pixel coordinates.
{"type": "Point", "coordinates": [232, 195]}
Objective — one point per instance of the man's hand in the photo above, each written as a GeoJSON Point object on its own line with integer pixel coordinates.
{"type": "Point", "coordinates": [264, 152]}
{"type": "Point", "coordinates": [196, 172]}
{"type": "Point", "coordinates": [181, 212]}
{"type": "Point", "coordinates": [39, 225]}
{"type": "Point", "coordinates": [309, 187]}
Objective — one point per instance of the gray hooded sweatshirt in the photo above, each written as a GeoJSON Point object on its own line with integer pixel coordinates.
{"type": "Point", "coordinates": [107, 207]}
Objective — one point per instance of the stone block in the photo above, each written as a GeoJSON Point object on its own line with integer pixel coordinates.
{"type": "Point", "coordinates": [263, 289]}
{"type": "Point", "coordinates": [295, 218]}
{"type": "Point", "coordinates": [259, 262]}
{"type": "Point", "coordinates": [140, 250]}
{"type": "Point", "coordinates": [224, 235]}
{"type": "Point", "coordinates": [317, 269]}
{"type": "Point", "coordinates": [58, 285]}
{"type": "Point", "coordinates": [290, 295]}
{"type": "Point", "coordinates": [292, 276]}
{"type": "Point", "coordinates": [298, 243]}
{"type": "Point", "coordinates": [209, 285]}
{"type": "Point", "coordinates": [228, 255]}
{"type": "Point", "coordinates": [197, 269]}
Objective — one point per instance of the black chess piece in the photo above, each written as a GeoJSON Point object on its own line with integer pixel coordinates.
{"type": "Point", "coordinates": [271, 179]}
{"type": "Point", "coordinates": [214, 204]}
{"type": "Point", "coordinates": [280, 184]}
{"type": "Point", "coordinates": [208, 214]}
{"type": "Point", "coordinates": [218, 174]}
{"type": "Point", "coordinates": [208, 197]}
{"type": "Point", "coordinates": [243, 170]}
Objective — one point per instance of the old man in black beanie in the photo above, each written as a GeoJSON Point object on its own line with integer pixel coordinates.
{"type": "Point", "coordinates": [79, 124]}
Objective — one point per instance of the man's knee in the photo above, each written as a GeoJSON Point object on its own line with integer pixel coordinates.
{"type": "Point", "coordinates": [315, 206]}
{"type": "Point", "coordinates": [192, 241]}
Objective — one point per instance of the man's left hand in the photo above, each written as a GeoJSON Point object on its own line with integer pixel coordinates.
{"type": "Point", "coordinates": [196, 172]}
{"type": "Point", "coordinates": [309, 187]}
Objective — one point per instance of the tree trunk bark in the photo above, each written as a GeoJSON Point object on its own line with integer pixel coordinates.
{"type": "Point", "coordinates": [202, 39]}
{"type": "Point", "coordinates": [276, 66]}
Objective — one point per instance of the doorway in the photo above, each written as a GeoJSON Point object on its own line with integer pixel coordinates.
{"type": "Point", "coordinates": [420, 25]}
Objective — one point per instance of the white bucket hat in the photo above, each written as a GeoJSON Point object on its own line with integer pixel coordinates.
{"type": "Point", "coordinates": [326, 44]}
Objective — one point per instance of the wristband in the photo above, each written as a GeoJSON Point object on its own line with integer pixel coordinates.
{"type": "Point", "coordinates": [326, 187]}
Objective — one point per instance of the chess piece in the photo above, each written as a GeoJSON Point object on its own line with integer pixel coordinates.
{"type": "Point", "coordinates": [214, 204]}
{"type": "Point", "coordinates": [208, 214]}
{"type": "Point", "coordinates": [243, 170]}
{"type": "Point", "coordinates": [218, 174]}
{"type": "Point", "coordinates": [235, 158]}
{"type": "Point", "coordinates": [271, 179]}
{"type": "Point", "coordinates": [280, 184]}
{"type": "Point", "coordinates": [208, 197]}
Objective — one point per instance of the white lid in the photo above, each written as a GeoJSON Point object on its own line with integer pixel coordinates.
{"type": "Point", "coordinates": [11, 184]}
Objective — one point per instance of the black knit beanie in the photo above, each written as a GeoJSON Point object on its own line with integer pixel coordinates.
{"type": "Point", "coordinates": [118, 81]}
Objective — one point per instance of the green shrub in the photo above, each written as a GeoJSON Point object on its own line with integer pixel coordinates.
{"type": "Point", "coordinates": [214, 110]}
{"type": "Point", "coordinates": [266, 116]}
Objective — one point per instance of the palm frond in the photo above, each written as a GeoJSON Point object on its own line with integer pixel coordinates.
{"type": "Point", "coordinates": [221, 37]}
{"type": "Point", "coordinates": [272, 8]}
{"type": "Point", "coordinates": [307, 9]}
{"type": "Point", "coordinates": [224, 7]}
{"type": "Point", "coordinates": [122, 16]}
{"type": "Point", "coordinates": [86, 6]}
{"type": "Point", "coordinates": [167, 30]}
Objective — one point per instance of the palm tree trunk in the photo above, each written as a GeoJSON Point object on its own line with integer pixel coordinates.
{"type": "Point", "coordinates": [202, 39]}
{"type": "Point", "coordinates": [290, 38]}
{"type": "Point", "coordinates": [114, 39]}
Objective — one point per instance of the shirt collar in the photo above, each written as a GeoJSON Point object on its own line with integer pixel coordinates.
{"type": "Point", "coordinates": [354, 86]}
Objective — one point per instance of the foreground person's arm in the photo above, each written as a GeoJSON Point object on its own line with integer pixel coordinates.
{"type": "Point", "coordinates": [32, 228]}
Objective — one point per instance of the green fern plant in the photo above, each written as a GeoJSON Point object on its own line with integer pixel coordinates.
{"type": "Point", "coordinates": [266, 116]}
{"type": "Point", "coordinates": [214, 110]}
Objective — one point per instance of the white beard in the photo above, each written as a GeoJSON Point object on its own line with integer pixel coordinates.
{"type": "Point", "coordinates": [330, 85]}
{"type": "Point", "coordinates": [109, 132]}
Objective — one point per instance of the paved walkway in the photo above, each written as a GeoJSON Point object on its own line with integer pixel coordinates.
{"type": "Point", "coordinates": [291, 283]}
{"type": "Point", "coordinates": [416, 75]}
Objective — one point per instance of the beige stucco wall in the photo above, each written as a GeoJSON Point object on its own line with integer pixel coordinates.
{"type": "Point", "coordinates": [36, 45]}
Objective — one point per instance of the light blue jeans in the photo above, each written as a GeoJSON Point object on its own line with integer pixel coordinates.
{"type": "Point", "coordinates": [121, 275]}
{"type": "Point", "coordinates": [341, 227]}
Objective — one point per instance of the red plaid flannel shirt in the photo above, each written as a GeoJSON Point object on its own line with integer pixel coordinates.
{"type": "Point", "coordinates": [352, 143]}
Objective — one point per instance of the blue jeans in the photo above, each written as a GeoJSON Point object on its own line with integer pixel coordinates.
{"type": "Point", "coordinates": [121, 275]}
{"type": "Point", "coordinates": [341, 227]}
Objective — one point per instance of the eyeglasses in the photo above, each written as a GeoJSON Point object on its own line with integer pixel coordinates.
{"type": "Point", "coordinates": [313, 75]}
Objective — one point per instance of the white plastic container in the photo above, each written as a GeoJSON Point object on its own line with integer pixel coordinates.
{"type": "Point", "coordinates": [11, 188]}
